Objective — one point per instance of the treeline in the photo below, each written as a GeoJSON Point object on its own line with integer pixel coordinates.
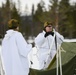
{"type": "Point", "coordinates": [62, 14]}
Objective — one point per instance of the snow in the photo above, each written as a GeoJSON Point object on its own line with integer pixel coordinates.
{"type": "Point", "coordinates": [69, 40]}
{"type": "Point", "coordinates": [30, 39]}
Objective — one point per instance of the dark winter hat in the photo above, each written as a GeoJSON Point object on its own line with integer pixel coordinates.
{"type": "Point", "coordinates": [47, 24]}
{"type": "Point", "coordinates": [13, 23]}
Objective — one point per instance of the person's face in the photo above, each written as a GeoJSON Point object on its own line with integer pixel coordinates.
{"type": "Point", "coordinates": [49, 28]}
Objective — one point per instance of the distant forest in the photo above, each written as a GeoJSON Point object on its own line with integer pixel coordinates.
{"type": "Point", "coordinates": [61, 13]}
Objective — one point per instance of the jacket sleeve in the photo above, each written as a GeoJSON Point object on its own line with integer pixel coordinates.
{"type": "Point", "coordinates": [59, 37]}
{"type": "Point", "coordinates": [39, 40]}
{"type": "Point", "coordinates": [22, 45]}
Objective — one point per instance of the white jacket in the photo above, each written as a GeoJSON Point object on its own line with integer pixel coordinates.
{"type": "Point", "coordinates": [14, 54]}
{"type": "Point", "coordinates": [43, 45]}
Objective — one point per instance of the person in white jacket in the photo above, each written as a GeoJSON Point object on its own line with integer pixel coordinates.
{"type": "Point", "coordinates": [43, 42]}
{"type": "Point", "coordinates": [15, 51]}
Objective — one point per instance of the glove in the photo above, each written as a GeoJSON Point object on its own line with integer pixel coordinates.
{"type": "Point", "coordinates": [48, 33]}
{"type": "Point", "coordinates": [31, 62]}
{"type": "Point", "coordinates": [33, 44]}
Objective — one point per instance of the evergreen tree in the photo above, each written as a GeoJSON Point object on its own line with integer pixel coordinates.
{"type": "Point", "coordinates": [33, 10]}
{"type": "Point", "coordinates": [72, 21]}
{"type": "Point", "coordinates": [38, 12]}
{"type": "Point", "coordinates": [14, 13]}
{"type": "Point", "coordinates": [8, 9]}
{"type": "Point", "coordinates": [19, 7]}
{"type": "Point", "coordinates": [64, 8]}
{"type": "Point", "coordinates": [1, 24]}
{"type": "Point", "coordinates": [6, 15]}
{"type": "Point", "coordinates": [32, 21]}
{"type": "Point", "coordinates": [54, 12]}
{"type": "Point", "coordinates": [38, 17]}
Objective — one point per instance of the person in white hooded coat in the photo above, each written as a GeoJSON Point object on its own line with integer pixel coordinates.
{"type": "Point", "coordinates": [15, 51]}
{"type": "Point", "coordinates": [43, 41]}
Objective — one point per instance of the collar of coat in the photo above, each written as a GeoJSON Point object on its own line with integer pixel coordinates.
{"type": "Point", "coordinates": [44, 32]}
{"type": "Point", "coordinates": [9, 33]}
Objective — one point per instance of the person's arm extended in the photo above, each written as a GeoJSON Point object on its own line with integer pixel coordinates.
{"type": "Point", "coordinates": [39, 40]}
{"type": "Point", "coordinates": [22, 45]}
{"type": "Point", "coordinates": [59, 37]}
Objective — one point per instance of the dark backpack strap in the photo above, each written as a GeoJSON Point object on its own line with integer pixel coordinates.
{"type": "Point", "coordinates": [55, 42]}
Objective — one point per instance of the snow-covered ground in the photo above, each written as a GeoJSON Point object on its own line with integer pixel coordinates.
{"type": "Point", "coordinates": [69, 40]}
{"type": "Point", "coordinates": [30, 39]}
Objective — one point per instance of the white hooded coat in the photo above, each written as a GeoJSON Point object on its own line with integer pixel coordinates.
{"type": "Point", "coordinates": [43, 45]}
{"type": "Point", "coordinates": [14, 54]}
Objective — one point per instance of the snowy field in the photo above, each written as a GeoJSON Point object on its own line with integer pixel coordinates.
{"type": "Point", "coordinates": [31, 40]}
{"type": "Point", "coordinates": [69, 40]}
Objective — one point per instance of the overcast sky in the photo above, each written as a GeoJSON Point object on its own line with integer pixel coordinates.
{"type": "Point", "coordinates": [30, 2]}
